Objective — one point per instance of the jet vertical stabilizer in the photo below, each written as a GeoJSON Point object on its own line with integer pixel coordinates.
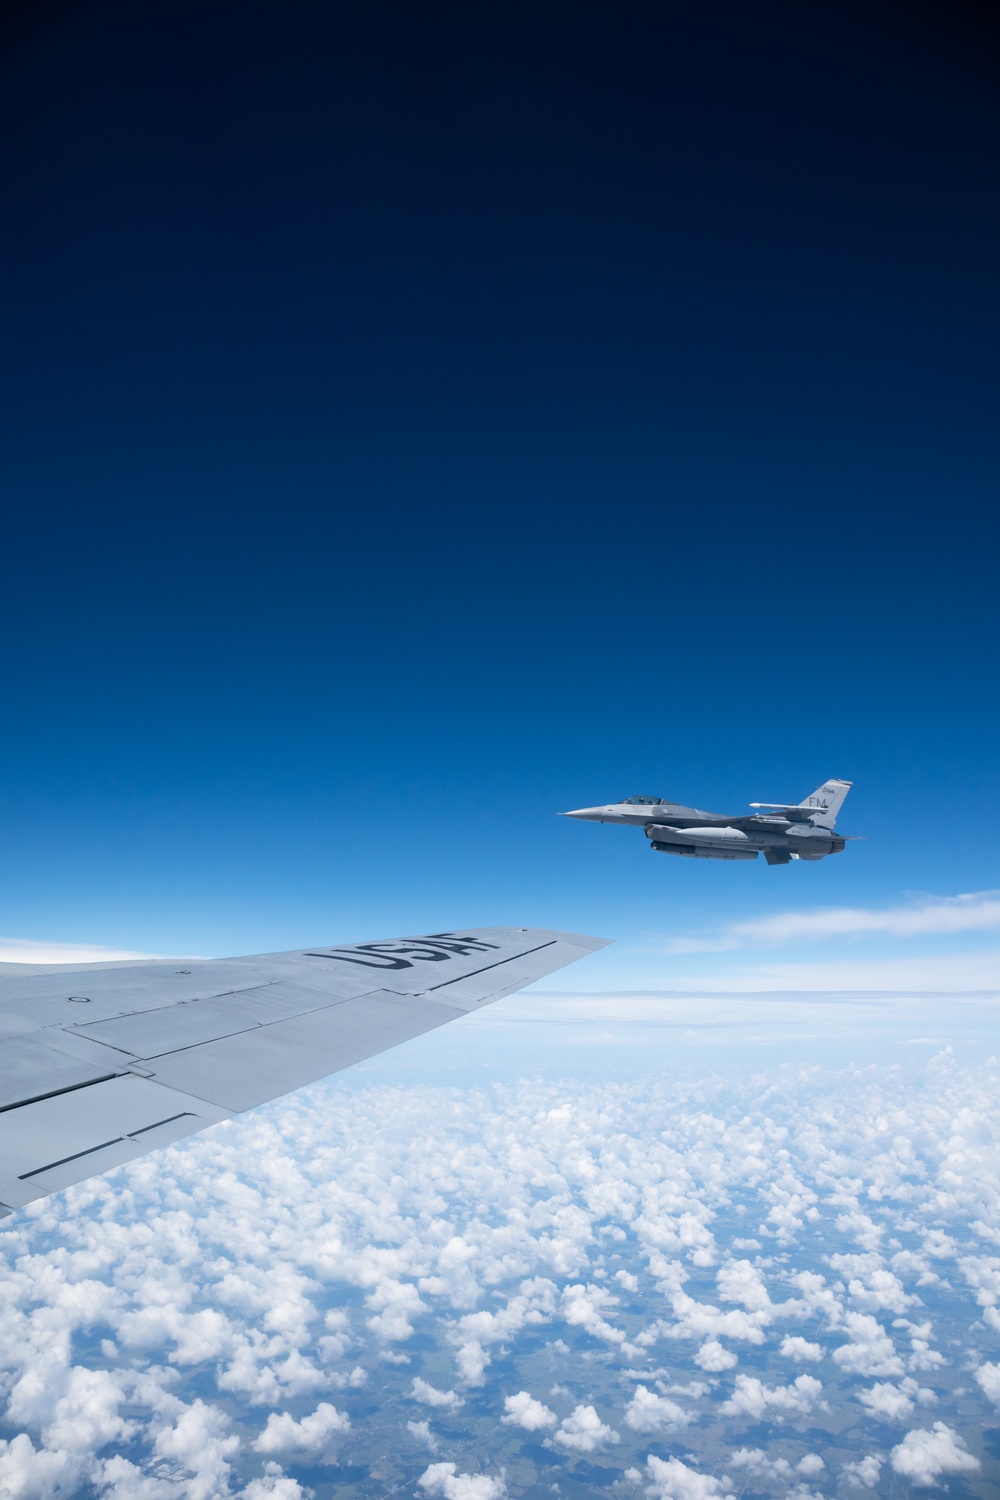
{"type": "Point", "coordinates": [826, 801]}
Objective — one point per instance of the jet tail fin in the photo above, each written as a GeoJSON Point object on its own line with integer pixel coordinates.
{"type": "Point", "coordinates": [826, 801]}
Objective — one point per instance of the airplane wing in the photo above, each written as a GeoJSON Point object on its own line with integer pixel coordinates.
{"type": "Point", "coordinates": [102, 1063]}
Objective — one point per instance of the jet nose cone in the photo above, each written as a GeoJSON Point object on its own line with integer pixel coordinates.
{"type": "Point", "coordinates": [593, 813]}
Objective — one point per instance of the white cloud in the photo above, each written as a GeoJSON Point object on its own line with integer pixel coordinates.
{"type": "Point", "coordinates": [28, 1472]}
{"type": "Point", "coordinates": [76, 1408]}
{"type": "Point", "coordinates": [895, 1403]}
{"type": "Point", "coordinates": [988, 1378]}
{"type": "Point", "coordinates": [698, 1320]}
{"type": "Point", "coordinates": [862, 1227]}
{"type": "Point", "coordinates": [887, 1401]}
{"type": "Point", "coordinates": [199, 1442]}
{"type": "Point", "coordinates": [584, 1432]}
{"type": "Point", "coordinates": [444, 1480]}
{"type": "Point", "coordinates": [284, 1435]}
{"type": "Point", "coordinates": [648, 1412]}
{"type": "Point", "coordinates": [274, 1484]}
{"type": "Point", "coordinates": [395, 1303]}
{"type": "Point", "coordinates": [870, 1351]}
{"type": "Point", "coordinates": [930, 916]}
{"type": "Point", "coordinates": [534, 1302]}
{"type": "Point", "coordinates": [775, 1470]}
{"type": "Point", "coordinates": [809, 1465]}
{"type": "Point", "coordinates": [752, 1398]}
{"type": "Point", "coordinates": [118, 1479]}
{"type": "Point", "coordinates": [714, 1357]}
{"type": "Point", "coordinates": [864, 1473]}
{"type": "Point", "coordinates": [421, 1432]}
{"type": "Point", "coordinates": [472, 1359]}
{"type": "Point", "coordinates": [490, 1220]}
{"type": "Point", "coordinates": [672, 1479]}
{"type": "Point", "coordinates": [793, 1346]}
{"type": "Point", "coordinates": [524, 1411]}
{"type": "Point", "coordinates": [41, 951]}
{"type": "Point", "coordinates": [587, 1307]}
{"type": "Point", "coordinates": [420, 1390]}
{"type": "Point", "coordinates": [925, 974]}
{"type": "Point", "coordinates": [740, 1281]}
{"type": "Point", "coordinates": [923, 1456]}
{"type": "Point", "coordinates": [935, 1242]}
{"type": "Point", "coordinates": [760, 1466]}
{"type": "Point", "coordinates": [878, 1290]}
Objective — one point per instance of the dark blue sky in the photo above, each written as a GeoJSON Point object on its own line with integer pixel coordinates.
{"type": "Point", "coordinates": [421, 418]}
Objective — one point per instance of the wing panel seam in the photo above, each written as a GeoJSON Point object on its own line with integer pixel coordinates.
{"type": "Point", "coordinates": [155, 1010]}
{"type": "Point", "coordinates": [150, 1057]}
{"type": "Point", "coordinates": [70, 1088]}
{"type": "Point", "coordinates": [498, 964]}
{"type": "Point", "coordinates": [129, 1135]}
{"type": "Point", "coordinates": [49, 1166]}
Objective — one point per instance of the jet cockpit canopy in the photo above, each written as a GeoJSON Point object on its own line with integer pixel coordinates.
{"type": "Point", "coordinates": [642, 801]}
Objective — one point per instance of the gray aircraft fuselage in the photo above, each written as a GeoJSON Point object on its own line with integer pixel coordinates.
{"type": "Point", "coordinates": [780, 831]}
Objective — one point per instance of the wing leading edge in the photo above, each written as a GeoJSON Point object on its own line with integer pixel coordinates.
{"type": "Point", "coordinates": [101, 1064]}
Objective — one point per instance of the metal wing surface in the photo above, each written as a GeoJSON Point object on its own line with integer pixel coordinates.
{"type": "Point", "coordinates": [102, 1063]}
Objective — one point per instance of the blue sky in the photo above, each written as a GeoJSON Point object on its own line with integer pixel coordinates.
{"type": "Point", "coordinates": [419, 424]}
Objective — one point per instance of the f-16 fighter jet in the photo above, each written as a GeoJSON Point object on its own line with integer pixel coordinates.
{"type": "Point", "coordinates": [780, 831]}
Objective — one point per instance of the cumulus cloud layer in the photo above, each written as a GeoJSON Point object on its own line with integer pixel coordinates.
{"type": "Point", "coordinates": [461, 1293]}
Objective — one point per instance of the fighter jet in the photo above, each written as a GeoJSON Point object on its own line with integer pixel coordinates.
{"type": "Point", "coordinates": [780, 831]}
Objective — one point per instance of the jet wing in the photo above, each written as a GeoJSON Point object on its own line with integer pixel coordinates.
{"type": "Point", "coordinates": [693, 817]}
{"type": "Point", "coordinates": [103, 1063]}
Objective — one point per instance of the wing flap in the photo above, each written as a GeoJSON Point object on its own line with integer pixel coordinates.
{"type": "Point", "coordinates": [55, 1142]}
{"type": "Point", "coordinates": [29, 1069]}
{"type": "Point", "coordinates": [239, 1072]}
{"type": "Point", "coordinates": [172, 1028]}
